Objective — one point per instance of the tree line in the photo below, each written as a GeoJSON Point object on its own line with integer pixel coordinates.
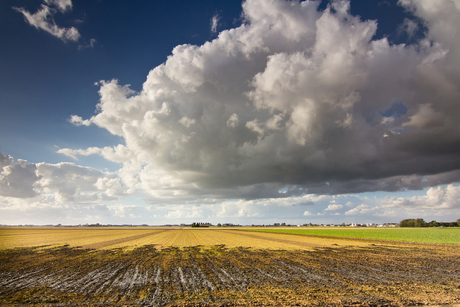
{"type": "Point", "coordinates": [422, 223]}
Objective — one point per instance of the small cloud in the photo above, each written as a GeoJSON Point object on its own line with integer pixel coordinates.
{"type": "Point", "coordinates": [387, 120]}
{"type": "Point", "coordinates": [274, 122]}
{"type": "Point", "coordinates": [305, 203]}
{"type": "Point", "coordinates": [361, 209]}
{"type": "Point", "coordinates": [333, 207]}
{"type": "Point", "coordinates": [78, 121]}
{"type": "Point", "coordinates": [426, 117]}
{"type": "Point", "coordinates": [91, 44]}
{"type": "Point", "coordinates": [214, 23]}
{"type": "Point", "coordinates": [232, 121]}
{"type": "Point", "coordinates": [187, 122]}
{"type": "Point", "coordinates": [68, 152]}
{"type": "Point", "coordinates": [408, 26]}
{"type": "Point", "coordinates": [62, 5]}
{"type": "Point", "coordinates": [255, 126]}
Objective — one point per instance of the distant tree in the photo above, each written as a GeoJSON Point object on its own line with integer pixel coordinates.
{"type": "Point", "coordinates": [448, 224]}
{"type": "Point", "coordinates": [194, 224]}
{"type": "Point", "coordinates": [433, 224]}
{"type": "Point", "coordinates": [407, 223]}
{"type": "Point", "coordinates": [219, 225]}
{"type": "Point", "coordinates": [412, 223]}
{"type": "Point", "coordinates": [458, 222]}
{"type": "Point", "coordinates": [420, 223]}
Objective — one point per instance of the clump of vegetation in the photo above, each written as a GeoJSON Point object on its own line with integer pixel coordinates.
{"type": "Point", "coordinates": [412, 223]}
{"type": "Point", "coordinates": [422, 223]}
{"type": "Point", "coordinates": [200, 224]}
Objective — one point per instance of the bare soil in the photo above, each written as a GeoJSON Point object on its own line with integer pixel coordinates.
{"type": "Point", "coordinates": [402, 275]}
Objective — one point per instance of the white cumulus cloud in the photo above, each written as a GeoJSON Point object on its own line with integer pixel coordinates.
{"type": "Point", "coordinates": [295, 98]}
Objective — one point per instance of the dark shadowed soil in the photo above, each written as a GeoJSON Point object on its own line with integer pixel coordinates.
{"type": "Point", "coordinates": [374, 276]}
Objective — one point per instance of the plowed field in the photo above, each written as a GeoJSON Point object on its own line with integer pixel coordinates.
{"type": "Point", "coordinates": [182, 269]}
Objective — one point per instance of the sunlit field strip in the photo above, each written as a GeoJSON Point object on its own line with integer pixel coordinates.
{"type": "Point", "coordinates": [210, 237]}
{"type": "Point", "coordinates": [158, 239]}
{"type": "Point", "coordinates": [206, 238]}
{"type": "Point", "coordinates": [169, 240]}
{"type": "Point", "coordinates": [215, 237]}
{"type": "Point", "coordinates": [184, 238]}
{"type": "Point", "coordinates": [231, 239]}
{"type": "Point", "coordinates": [420, 235]}
{"type": "Point", "coordinates": [271, 241]}
{"type": "Point", "coordinates": [47, 235]}
{"type": "Point", "coordinates": [108, 238]}
{"type": "Point", "coordinates": [28, 237]}
{"type": "Point", "coordinates": [236, 239]}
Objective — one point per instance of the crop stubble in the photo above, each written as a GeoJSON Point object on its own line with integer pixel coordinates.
{"type": "Point", "coordinates": [185, 274]}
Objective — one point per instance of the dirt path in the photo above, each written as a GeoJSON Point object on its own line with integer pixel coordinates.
{"type": "Point", "coordinates": [105, 244]}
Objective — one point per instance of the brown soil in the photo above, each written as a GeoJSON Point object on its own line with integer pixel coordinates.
{"type": "Point", "coordinates": [216, 276]}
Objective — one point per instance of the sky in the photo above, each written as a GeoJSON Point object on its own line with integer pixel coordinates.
{"type": "Point", "coordinates": [253, 112]}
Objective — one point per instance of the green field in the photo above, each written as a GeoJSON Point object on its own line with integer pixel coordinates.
{"type": "Point", "coordinates": [422, 235]}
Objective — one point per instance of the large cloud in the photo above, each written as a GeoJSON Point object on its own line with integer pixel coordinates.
{"type": "Point", "coordinates": [294, 98]}
{"type": "Point", "coordinates": [438, 201]}
{"type": "Point", "coordinates": [67, 182]}
{"type": "Point", "coordinates": [17, 178]}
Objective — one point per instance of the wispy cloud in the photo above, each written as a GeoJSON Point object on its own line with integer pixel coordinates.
{"type": "Point", "coordinates": [214, 23]}
{"type": "Point", "coordinates": [409, 27]}
{"type": "Point", "coordinates": [91, 44]}
{"type": "Point", "coordinates": [43, 19]}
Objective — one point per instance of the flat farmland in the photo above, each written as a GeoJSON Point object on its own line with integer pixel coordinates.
{"type": "Point", "coordinates": [420, 235]}
{"type": "Point", "coordinates": [164, 266]}
{"type": "Point", "coordinates": [160, 237]}
{"type": "Point", "coordinates": [12, 237]}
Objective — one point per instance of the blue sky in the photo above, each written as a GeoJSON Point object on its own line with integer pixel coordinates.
{"type": "Point", "coordinates": [226, 111]}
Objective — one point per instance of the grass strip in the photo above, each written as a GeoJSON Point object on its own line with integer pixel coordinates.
{"type": "Point", "coordinates": [419, 235]}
